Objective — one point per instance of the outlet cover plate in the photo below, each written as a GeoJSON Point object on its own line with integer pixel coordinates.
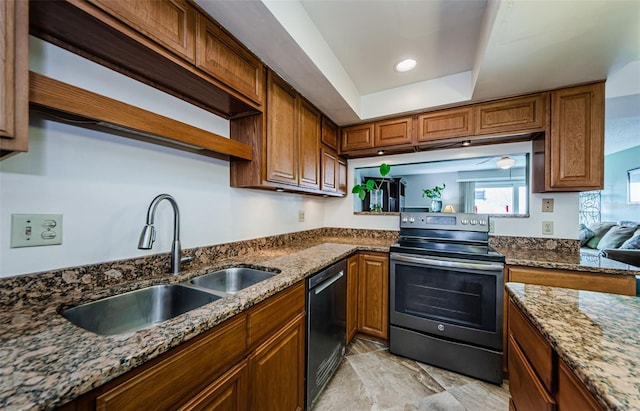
{"type": "Point", "coordinates": [547, 227]}
{"type": "Point", "coordinates": [33, 230]}
{"type": "Point", "coordinates": [547, 205]}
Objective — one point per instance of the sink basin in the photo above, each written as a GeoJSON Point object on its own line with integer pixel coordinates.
{"type": "Point", "coordinates": [138, 309]}
{"type": "Point", "coordinates": [231, 280]}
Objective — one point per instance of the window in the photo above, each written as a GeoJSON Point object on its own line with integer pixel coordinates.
{"type": "Point", "coordinates": [500, 198]}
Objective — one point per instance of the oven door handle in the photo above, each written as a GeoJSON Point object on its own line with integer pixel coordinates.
{"type": "Point", "coordinates": [449, 264]}
{"type": "Point", "coordinates": [327, 283]}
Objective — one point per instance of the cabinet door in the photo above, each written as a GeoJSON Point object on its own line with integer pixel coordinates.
{"type": "Point", "coordinates": [445, 124]}
{"type": "Point", "coordinates": [357, 137]}
{"type": "Point", "coordinates": [309, 145]}
{"type": "Point", "coordinates": [572, 394]}
{"type": "Point", "coordinates": [329, 133]}
{"type": "Point", "coordinates": [373, 295]}
{"type": "Point", "coordinates": [225, 59]}
{"type": "Point", "coordinates": [276, 370]}
{"type": "Point", "coordinates": [14, 83]}
{"type": "Point", "coordinates": [171, 23]}
{"type": "Point", "coordinates": [228, 393]}
{"type": "Point", "coordinates": [353, 264]}
{"type": "Point", "coordinates": [576, 152]}
{"type": "Point", "coordinates": [527, 392]}
{"type": "Point", "coordinates": [393, 132]}
{"type": "Point", "coordinates": [282, 141]}
{"type": "Point", "coordinates": [342, 176]}
{"type": "Point", "coordinates": [329, 170]}
{"type": "Point", "coordinates": [519, 115]}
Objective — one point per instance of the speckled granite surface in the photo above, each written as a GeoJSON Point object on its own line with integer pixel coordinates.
{"type": "Point", "coordinates": [596, 334]}
{"type": "Point", "coordinates": [46, 361]}
{"type": "Point", "coordinates": [534, 243]}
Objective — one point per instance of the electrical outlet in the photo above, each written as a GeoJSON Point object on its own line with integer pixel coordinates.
{"type": "Point", "coordinates": [32, 230]}
{"type": "Point", "coordinates": [547, 227]}
{"type": "Point", "coordinates": [301, 216]}
{"type": "Point", "coordinates": [547, 205]}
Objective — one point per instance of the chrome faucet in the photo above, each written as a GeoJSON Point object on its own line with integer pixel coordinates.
{"type": "Point", "coordinates": [148, 235]}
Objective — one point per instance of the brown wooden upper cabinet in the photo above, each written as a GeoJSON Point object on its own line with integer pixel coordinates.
{"type": "Point", "coordinates": [225, 59]}
{"type": "Point", "coordinates": [282, 136]}
{"type": "Point", "coordinates": [357, 137]}
{"type": "Point", "coordinates": [445, 124]}
{"type": "Point", "coordinates": [342, 176]}
{"type": "Point", "coordinates": [293, 137]}
{"type": "Point", "coordinates": [330, 171]}
{"type": "Point", "coordinates": [576, 141]}
{"type": "Point", "coordinates": [329, 135]}
{"type": "Point", "coordinates": [14, 75]}
{"type": "Point", "coordinates": [515, 115]}
{"type": "Point", "coordinates": [171, 23]}
{"type": "Point", "coordinates": [393, 132]}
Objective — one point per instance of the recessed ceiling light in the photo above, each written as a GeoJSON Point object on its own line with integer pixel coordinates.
{"type": "Point", "coordinates": [405, 65]}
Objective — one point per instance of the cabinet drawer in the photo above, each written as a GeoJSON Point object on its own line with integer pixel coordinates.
{"type": "Point", "coordinates": [171, 23]}
{"type": "Point", "coordinates": [534, 347]}
{"type": "Point", "coordinates": [527, 393]}
{"type": "Point", "coordinates": [272, 314]}
{"type": "Point", "coordinates": [572, 395]}
{"type": "Point", "coordinates": [520, 115]}
{"type": "Point", "coordinates": [226, 60]}
{"type": "Point", "coordinates": [445, 124]}
{"type": "Point", "coordinates": [167, 383]}
{"type": "Point", "coordinates": [615, 284]}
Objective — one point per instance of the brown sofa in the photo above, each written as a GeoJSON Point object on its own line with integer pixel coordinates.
{"type": "Point", "coordinates": [619, 241]}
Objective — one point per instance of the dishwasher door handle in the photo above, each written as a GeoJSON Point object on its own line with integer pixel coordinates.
{"type": "Point", "coordinates": [326, 283]}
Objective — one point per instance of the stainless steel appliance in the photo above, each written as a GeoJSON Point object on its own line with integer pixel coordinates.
{"type": "Point", "coordinates": [326, 326]}
{"type": "Point", "coordinates": [446, 294]}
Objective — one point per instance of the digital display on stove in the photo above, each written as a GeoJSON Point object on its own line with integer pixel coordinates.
{"type": "Point", "coordinates": [441, 220]}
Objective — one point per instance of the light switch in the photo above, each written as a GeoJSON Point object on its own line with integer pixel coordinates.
{"type": "Point", "coordinates": [32, 230]}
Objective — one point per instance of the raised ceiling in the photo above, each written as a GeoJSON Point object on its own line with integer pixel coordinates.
{"type": "Point", "coordinates": [340, 53]}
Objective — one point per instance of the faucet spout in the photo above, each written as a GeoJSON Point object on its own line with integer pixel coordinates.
{"type": "Point", "coordinates": [148, 235]}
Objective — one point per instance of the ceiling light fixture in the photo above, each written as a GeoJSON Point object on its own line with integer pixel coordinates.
{"type": "Point", "coordinates": [405, 65]}
{"type": "Point", "coordinates": [505, 162]}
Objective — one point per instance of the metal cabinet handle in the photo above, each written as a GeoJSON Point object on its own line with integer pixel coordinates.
{"type": "Point", "coordinates": [326, 283]}
{"type": "Point", "coordinates": [447, 263]}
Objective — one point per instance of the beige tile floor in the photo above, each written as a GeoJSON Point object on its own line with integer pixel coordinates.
{"type": "Point", "coordinates": [370, 378]}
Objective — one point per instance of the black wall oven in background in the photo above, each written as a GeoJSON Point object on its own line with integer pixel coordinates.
{"type": "Point", "coordinates": [446, 294]}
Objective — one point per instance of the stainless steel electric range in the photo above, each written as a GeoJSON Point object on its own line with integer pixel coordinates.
{"type": "Point", "coordinates": [446, 294]}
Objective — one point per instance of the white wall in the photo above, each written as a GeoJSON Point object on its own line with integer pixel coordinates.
{"type": "Point", "coordinates": [103, 184]}
{"type": "Point", "coordinates": [564, 217]}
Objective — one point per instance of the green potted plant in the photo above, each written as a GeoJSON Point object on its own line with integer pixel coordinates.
{"type": "Point", "coordinates": [375, 203]}
{"type": "Point", "coordinates": [435, 195]}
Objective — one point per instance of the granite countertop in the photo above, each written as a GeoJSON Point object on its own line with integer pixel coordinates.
{"type": "Point", "coordinates": [47, 361]}
{"type": "Point", "coordinates": [595, 334]}
{"type": "Point", "coordinates": [567, 260]}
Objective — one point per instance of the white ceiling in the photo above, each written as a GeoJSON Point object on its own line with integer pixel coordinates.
{"type": "Point", "coordinates": [340, 53]}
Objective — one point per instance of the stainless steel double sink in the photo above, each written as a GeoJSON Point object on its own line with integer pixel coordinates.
{"type": "Point", "coordinates": [135, 310]}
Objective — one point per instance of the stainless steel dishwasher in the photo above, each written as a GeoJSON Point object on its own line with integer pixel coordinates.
{"type": "Point", "coordinates": [326, 326]}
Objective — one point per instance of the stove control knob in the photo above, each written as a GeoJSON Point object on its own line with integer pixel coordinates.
{"type": "Point", "coordinates": [482, 222]}
{"type": "Point", "coordinates": [411, 219]}
{"type": "Point", "coordinates": [464, 221]}
{"type": "Point", "coordinates": [405, 219]}
{"type": "Point", "coordinates": [473, 222]}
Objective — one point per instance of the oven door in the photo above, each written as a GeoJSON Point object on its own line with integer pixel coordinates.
{"type": "Point", "coordinates": [448, 298]}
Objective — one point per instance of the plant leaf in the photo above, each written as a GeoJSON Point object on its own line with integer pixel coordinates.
{"type": "Point", "coordinates": [370, 184]}
{"type": "Point", "coordinates": [384, 169]}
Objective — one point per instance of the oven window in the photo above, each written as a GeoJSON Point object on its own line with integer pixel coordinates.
{"type": "Point", "coordinates": [449, 296]}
